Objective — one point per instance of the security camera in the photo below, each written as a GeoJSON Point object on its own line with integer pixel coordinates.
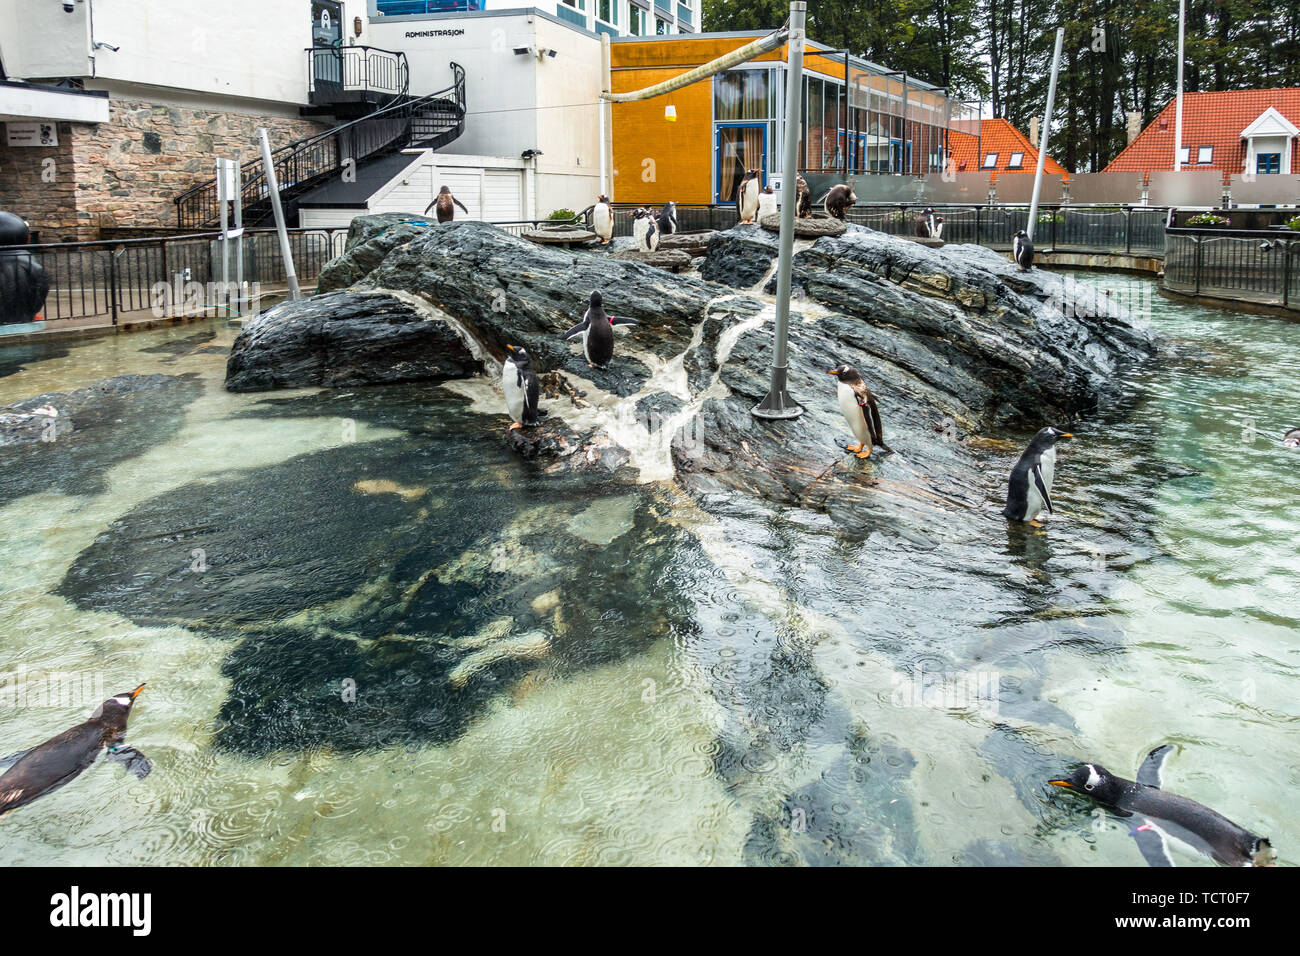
{"type": "Point", "coordinates": [68, 6]}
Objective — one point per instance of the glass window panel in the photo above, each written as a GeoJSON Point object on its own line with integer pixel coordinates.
{"type": "Point", "coordinates": [1205, 154]}
{"type": "Point", "coordinates": [990, 160]}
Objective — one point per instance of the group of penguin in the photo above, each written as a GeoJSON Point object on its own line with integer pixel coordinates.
{"type": "Point", "coordinates": [754, 200]}
{"type": "Point", "coordinates": [647, 225]}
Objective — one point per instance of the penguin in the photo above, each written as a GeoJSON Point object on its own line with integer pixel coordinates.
{"type": "Point", "coordinates": [519, 382]}
{"type": "Point", "coordinates": [860, 411]}
{"type": "Point", "coordinates": [1292, 438]}
{"type": "Point", "coordinates": [839, 199]}
{"type": "Point", "coordinates": [597, 331]}
{"type": "Point", "coordinates": [1162, 816]}
{"type": "Point", "coordinates": [644, 230]}
{"type": "Point", "coordinates": [602, 220]}
{"type": "Point", "coordinates": [444, 201]}
{"type": "Point", "coordinates": [48, 766]}
{"type": "Point", "coordinates": [24, 284]}
{"type": "Point", "coordinates": [1022, 250]}
{"type": "Point", "coordinates": [1030, 489]}
{"type": "Point", "coordinates": [667, 220]}
{"type": "Point", "coordinates": [803, 197]}
{"type": "Point", "coordinates": [766, 202]}
{"type": "Point", "coordinates": [936, 227]}
{"type": "Point", "coordinates": [747, 197]}
{"type": "Point", "coordinates": [924, 224]}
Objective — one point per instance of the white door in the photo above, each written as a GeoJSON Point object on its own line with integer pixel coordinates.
{"type": "Point", "coordinates": [503, 195]}
{"type": "Point", "coordinates": [466, 185]}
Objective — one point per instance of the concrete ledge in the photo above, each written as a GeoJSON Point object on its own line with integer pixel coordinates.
{"type": "Point", "coordinates": [1109, 262]}
{"type": "Point", "coordinates": [1258, 307]}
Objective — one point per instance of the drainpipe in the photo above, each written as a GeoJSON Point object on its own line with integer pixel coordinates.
{"type": "Point", "coordinates": [602, 105]}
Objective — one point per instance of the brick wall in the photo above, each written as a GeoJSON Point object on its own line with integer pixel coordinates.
{"type": "Point", "coordinates": [127, 171]}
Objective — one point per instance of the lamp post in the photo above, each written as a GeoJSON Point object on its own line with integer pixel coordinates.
{"type": "Point", "coordinates": [1178, 103]}
{"type": "Point", "coordinates": [778, 404]}
{"type": "Point", "coordinates": [1047, 127]}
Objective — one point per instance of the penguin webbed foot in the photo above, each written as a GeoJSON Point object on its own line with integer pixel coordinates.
{"type": "Point", "coordinates": [854, 448]}
{"type": "Point", "coordinates": [514, 425]}
{"type": "Point", "coordinates": [864, 454]}
{"type": "Point", "coordinates": [134, 761]}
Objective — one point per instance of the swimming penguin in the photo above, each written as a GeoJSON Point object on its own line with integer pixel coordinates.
{"type": "Point", "coordinates": [803, 197]}
{"type": "Point", "coordinates": [1163, 816]}
{"type": "Point", "coordinates": [667, 219]}
{"type": "Point", "coordinates": [45, 768]}
{"type": "Point", "coordinates": [602, 220]}
{"type": "Point", "coordinates": [597, 331]}
{"type": "Point", "coordinates": [766, 202]}
{"type": "Point", "coordinates": [1030, 489]}
{"type": "Point", "coordinates": [860, 411]}
{"type": "Point", "coordinates": [24, 284]}
{"type": "Point", "coordinates": [1022, 250]}
{"type": "Point", "coordinates": [839, 199]}
{"type": "Point", "coordinates": [1292, 438]}
{"type": "Point", "coordinates": [747, 197]}
{"type": "Point", "coordinates": [519, 382]}
{"type": "Point", "coordinates": [644, 230]}
{"type": "Point", "coordinates": [444, 201]}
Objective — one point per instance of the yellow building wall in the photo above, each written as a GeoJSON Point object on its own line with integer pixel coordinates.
{"type": "Point", "coordinates": [656, 160]}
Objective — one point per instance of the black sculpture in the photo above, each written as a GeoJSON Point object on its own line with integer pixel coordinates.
{"type": "Point", "coordinates": [23, 282]}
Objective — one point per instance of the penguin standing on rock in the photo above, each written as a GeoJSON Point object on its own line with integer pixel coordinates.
{"type": "Point", "coordinates": [1164, 816]}
{"type": "Point", "coordinates": [523, 391]}
{"type": "Point", "coordinates": [860, 411]}
{"type": "Point", "coordinates": [47, 767]}
{"type": "Point", "coordinates": [1022, 250]}
{"type": "Point", "coordinates": [602, 220]}
{"type": "Point", "coordinates": [446, 203]}
{"type": "Point", "coordinates": [838, 200]}
{"type": "Point", "coordinates": [597, 331]}
{"type": "Point", "coordinates": [766, 203]}
{"type": "Point", "coordinates": [1030, 489]}
{"type": "Point", "coordinates": [925, 224]}
{"type": "Point", "coordinates": [644, 230]}
{"type": "Point", "coordinates": [803, 197]}
{"type": "Point", "coordinates": [747, 197]}
{"type": "Point", "coordinates": [667, 220]}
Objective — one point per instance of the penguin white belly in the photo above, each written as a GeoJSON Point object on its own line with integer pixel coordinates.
{"type": "Point", "coordinates": [749, 200]}
{"type": "Point", "coordinates": [853, 413]}
{"type": "Point", "coordinates": [515, 393]}
{"type": "Point", "coordinates": [586, 348]}
{"type": "Point", "coordinates": [602, 221]}
{"type": "Point", "coordinates": [1046, 468]}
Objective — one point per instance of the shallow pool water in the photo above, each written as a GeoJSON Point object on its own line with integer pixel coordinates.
{"type": "Point", "coordinates": [371, 634]}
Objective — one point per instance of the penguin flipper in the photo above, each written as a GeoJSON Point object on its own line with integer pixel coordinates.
{"type": "Point", "coordinates": [133, 760]}
{"type": "Point", "coordinates": [430, 206]}
{"type": "Point", "coordinates": [1152, 844]}
{"type": "Point", "coordinates": [577, 329]}
{"type": "Point", "coordinates": [622, 320]}
{"type": "Point", "coordinates": [1152, 770]}
{"type": "Point", "coordinates": [460, 204]}
{"type": "Point", "coordinates": [1042, 488]}
{"type": "Point", "coordinates": [7, 762]}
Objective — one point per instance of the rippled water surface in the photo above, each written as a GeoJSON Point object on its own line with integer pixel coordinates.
{"type": "Point", "coordinates": [373, 635]}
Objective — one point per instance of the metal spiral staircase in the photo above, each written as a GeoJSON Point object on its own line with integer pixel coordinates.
{"type": "Point", "coordinates": [425, 122]}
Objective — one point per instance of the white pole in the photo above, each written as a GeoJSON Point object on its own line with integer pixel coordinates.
{"type": "Point", "coordinates": [1178, 105]}
{"type": "Point", "coordinates": [1047, 127]}
{"type": "Point", "coordinates": [273, 191]}
{"type": "Point", "coordinates": [601, 105]}
{"type": "Point", "coordinates": [778, 404]}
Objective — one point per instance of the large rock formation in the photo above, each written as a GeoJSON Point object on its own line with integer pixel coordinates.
{"type": "Point", "coordinates": [956, 343]}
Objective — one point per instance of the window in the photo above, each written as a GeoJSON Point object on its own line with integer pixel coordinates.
{"type": "Point", "coordinates": [607, 10]}
{"type": "Point", "coordinates": [636, 20]}
{"type": "Point", "coordinates": [1205, 154]}
{"type": "Point", "coordinates": [397, 8]}
{"type": "Point", "coordinates": [1268, 163]}
{"type": "Point", "coordinates": [576, 4]}
{"type": "Point", "coordinates": [990, 161]}
{"type": "Point", "coordinates": [662, 27]}
{"type": "Point", "coordinates": [1017, 161]}
{"type": "Point", "coordinates": [742, 95]}
{"type": "Point", "coordinates": [1185, 155]}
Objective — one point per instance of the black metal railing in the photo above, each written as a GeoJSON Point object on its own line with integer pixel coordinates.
{"type": "Point", "coordinates": [168, 275]}
{"type": "Point", "coordinates": [429, 121]}
{"type": "Point", "coordinates": [1253, 266]}
{"type": "Point", "coordinates": [337, 74]}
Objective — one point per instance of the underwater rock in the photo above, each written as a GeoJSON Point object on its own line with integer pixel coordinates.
{"type": "Point", "coordinates": [345, 338]}
{"type": "Point", "coordinates": [556, 444]}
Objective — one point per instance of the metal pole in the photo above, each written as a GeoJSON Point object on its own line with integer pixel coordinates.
{"type": "Point", "coordinates": [239, 236]}
{"type": "Point", "coordinates": [1042, 138]}
{"type": "Point", "coordinates": [1178, 103]}
{"type": "Point", "coordinates": [605, 64]}
{"type": "Point", "coordinates": [778, 403]}
{"type": "Point", "coordinates": [223, 200]}
{"type": "Point", "coordinates": [273, 190]}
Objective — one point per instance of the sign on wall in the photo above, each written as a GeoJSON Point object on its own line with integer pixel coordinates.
{"type": "Point", "coordinates": [32, 134]}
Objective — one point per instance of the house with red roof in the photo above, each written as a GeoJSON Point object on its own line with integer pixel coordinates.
{"type": "Point", "coordinates": [999, 148]}
{"type": "Point", "coordinates": [1233, 131]}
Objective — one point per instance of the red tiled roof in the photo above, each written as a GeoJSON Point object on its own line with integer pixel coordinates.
{"type": "Point", "coordinates": [998, 136]}
{"type": "Point", "coordinates": [1209, 119]}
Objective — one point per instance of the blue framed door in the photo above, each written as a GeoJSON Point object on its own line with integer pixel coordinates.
{"type": "Point", "coordinates": [737, 147]}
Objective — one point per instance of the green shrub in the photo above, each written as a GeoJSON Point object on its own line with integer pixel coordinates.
{"type": "Point", "coordinates": [1208, 219]}
{"type": "Point", "coordinates": [563, 214]}
{"type": "Point", "coordinates": [1293, 223]}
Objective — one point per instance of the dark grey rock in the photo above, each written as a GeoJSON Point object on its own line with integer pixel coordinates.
{"type": "Point", "coordinates": [740, 256]}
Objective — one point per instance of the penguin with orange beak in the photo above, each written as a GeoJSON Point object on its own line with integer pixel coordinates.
{"type": "Point", "coordinates": [47, 767]}
{"type": "Point", "coordinates": [1029, 489]}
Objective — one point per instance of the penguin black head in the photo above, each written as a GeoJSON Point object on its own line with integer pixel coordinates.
{"type": "Point", "coordinates": [596, 300]}
{"type": "Point", "coordinates": [640, 213]}
{"type": "Point", "coordinates": [846, 374]}
{"type": "Point", "coordinates": [518, 355]}
{"type": "Point", "coordinates": [444, 189]}
{"type": "Point", "coordinates": [116, 709]}
{"type": "Point", "coordinates": [1292, 438]}
{"type": "Point", "coordinates": [1049, 436]}
{"type": "Point", "coordinates": [1020, 234]}
{"type": "Point", "coordinates": [1092, 780]}
{"type": "Point", "coordinates": [602, 198]}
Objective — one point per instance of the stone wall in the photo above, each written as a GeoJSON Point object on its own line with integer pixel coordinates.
{"type": "Point", "coordinates": [126, 172]}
